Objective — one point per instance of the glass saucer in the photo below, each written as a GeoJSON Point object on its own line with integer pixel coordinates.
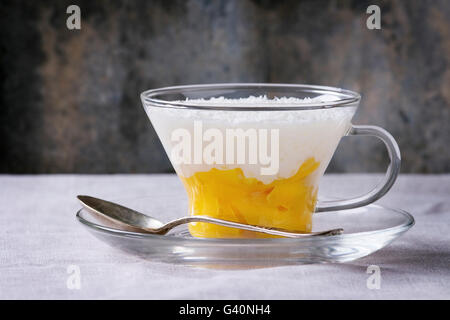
{"type": "Point", "coordinates": [366, 230]}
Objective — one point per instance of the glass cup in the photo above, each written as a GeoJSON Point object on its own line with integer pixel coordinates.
{"type": "Point", "coordinates": [255, 153]}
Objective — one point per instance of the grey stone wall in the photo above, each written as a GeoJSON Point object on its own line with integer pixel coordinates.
{"type": "Point", "coordinates": [69, 100]}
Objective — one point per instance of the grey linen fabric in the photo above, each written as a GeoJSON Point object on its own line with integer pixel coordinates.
{"type": "Point", "coordinates": [40, 239]}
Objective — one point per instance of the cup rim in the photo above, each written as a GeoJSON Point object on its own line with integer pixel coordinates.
{"type": "Point", "coordinates": [348, 97]}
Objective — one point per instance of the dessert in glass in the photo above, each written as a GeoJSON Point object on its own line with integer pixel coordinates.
{"type": "Point", "coordinates": [255, 153]}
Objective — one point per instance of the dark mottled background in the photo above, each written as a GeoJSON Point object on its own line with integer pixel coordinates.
{"type": "Point", "coordinates": [69, 100]}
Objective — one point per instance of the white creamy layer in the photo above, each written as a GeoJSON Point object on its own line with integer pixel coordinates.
{"type": "Point", "coordinates": [302, 133]}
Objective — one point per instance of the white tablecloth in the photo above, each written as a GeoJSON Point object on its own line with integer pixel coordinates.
{"type": "Point", "coordinates": [41, 242]}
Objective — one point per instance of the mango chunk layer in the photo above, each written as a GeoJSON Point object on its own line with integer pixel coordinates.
{"type": "Point", "coordinates": [227, 194]}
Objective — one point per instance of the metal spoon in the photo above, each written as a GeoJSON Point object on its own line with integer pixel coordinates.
{"type": "Point", "coordinates": [129, 218]}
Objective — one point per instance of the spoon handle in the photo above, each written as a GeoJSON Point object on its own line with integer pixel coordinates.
{"type": "Point", "coordinates": [273, 231]}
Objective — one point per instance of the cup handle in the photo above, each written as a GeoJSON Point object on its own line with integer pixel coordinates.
{"type": "Point", "coordinates": [384, 186]}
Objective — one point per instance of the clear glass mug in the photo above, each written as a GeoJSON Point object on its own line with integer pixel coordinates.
{"type": "Point", "coordinates": [259, 161]}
